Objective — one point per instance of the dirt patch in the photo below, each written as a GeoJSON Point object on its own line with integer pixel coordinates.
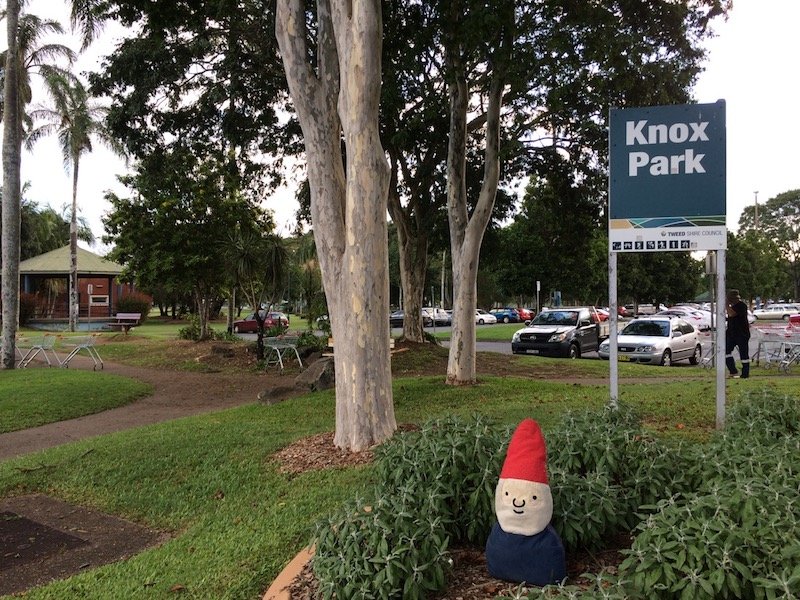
{"type": "Point", "coordinates": [42, 539]}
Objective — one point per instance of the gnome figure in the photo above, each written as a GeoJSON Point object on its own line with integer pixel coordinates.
{"type": "Point", "coordinates": [523, 547]}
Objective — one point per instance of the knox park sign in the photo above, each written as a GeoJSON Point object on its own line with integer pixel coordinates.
{"type": "Point", "coordinates": [667, 178]}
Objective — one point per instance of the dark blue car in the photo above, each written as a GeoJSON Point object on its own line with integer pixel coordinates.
{"type": "Point", "coordinates": [506, 315]}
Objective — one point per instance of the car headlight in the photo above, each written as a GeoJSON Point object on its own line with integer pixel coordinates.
{"type": "Point", "coordinates": [645, 348]}
{"type": "Point", "coordinates": [516, 335]}
{"type": "Point", "coordinates": [558, 337]}
{"type": "Point", "coordinates": [605, 346]}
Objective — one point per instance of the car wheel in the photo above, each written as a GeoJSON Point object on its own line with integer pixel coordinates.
{"type": "Point", "coordinates": [574, 351]}
{"type": "Point", "coordinates": [235, 329]}
{"type": "Point", "coordinates": [695, 358]}
{"type": "Point", "coordinates": [506, 320]}
{"type": "Point", "coordinates": [480, 321]}
{"type": "Point", "coordinates": [785, 317]}
{"type": "Point", "coordinates": [666, 359]}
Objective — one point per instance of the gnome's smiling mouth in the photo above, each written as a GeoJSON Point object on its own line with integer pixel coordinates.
{"type": "Point", "coordinates": [519, 512]}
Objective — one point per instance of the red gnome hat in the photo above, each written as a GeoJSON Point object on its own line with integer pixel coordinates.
{"type": "Point", "coordinates": [527, 455]}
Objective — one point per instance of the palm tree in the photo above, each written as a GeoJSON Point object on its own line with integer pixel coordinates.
{"type": "Point", "coordinates": [24, 58]}
{"type": "Point", "coordinates": [76, 121]}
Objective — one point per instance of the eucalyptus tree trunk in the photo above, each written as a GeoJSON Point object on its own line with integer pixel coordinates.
{"type": "Point", "coordinates": [413, 252]}
{"type": "Point", "coordinates": [12, 153]}
{"type": "Point", "coordinates": [466, 233]}
{"type": "Point", "coordinates": [73, 251]}
{"type": "Point", "coordinates": [339, 96]}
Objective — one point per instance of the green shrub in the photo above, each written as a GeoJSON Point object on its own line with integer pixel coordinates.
{"type": "Point", "coordinates": [611, 444]}
{"type": "Point", "coordinates": [434, 486]}
{"type": "Point", "coordinates": [135, 302]}
{"type": "Point", "coordinates": [737, 536]}
{"type": "Point", "coordinates": [394, 547]}
{"type": "Point", "coordinates": [459, 461]}
{"type": "Point", "coordinates": [27, 307]}
{"type": "Point", "coordinates": [315, 343]}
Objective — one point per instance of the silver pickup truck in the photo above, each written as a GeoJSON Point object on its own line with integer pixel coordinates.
{"type": "Point", "coordinates": [566, 331]}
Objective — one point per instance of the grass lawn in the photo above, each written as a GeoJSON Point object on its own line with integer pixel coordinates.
{"type": "Point", "coordinates": [236, 520]}
{"type": "Point", "coordinates": [32, 397]}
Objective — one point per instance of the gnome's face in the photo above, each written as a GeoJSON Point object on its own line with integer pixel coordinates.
{"type": "Point", "coordinates": [523, 507]}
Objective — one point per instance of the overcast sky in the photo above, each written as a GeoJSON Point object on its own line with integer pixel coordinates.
{"type": "Point", "coordinates": [750, 66]}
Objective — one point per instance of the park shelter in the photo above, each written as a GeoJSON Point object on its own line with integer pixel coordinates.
{"type": "Point", "coordinates": [47, 278]}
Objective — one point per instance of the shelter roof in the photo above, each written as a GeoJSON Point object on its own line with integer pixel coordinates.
{"type": "Point", "coordinates": [57, 262]}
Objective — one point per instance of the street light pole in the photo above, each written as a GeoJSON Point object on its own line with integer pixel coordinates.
{"type": "Point", "coordinates": [756, 213]}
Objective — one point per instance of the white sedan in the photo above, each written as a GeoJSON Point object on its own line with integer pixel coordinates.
{"type": "Point", "coordinates": [481, 317]}
{"type": "Point", "coordinates": [777, 312]}
{"type": "Point", "coordinates": [656, 340]}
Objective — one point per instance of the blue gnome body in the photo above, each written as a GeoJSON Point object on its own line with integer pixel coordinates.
{"type": "Point", "coordinates": [533, 559]}
{"type": "Point", "coordinates": [523, 547]}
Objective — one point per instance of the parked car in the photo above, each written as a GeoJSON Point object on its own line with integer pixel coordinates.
{"type": "Point", "coordinates": [561, 332]}
{"type": "Point", "coordinates": [660, 340]}
{"type": "Point", "coordinates": [776, 312]}
{"type": "Point", "coordinates": [396, 318]}
{"type": "Point", "coordinates": [526, 314]}
{"type": "Point", "coordinates": [699, 318]}
{"type": "Point", "coordinates": [437, 316]}
{"type": "Point", "coordinates": [483, 317]}
{"type": "Point", "coordinates": [506, 315]}
{"type": "Point", "coordinates": [271, 321]}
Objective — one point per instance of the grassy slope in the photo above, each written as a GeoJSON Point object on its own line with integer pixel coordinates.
{"type": "Point", "coordinates": [34, 397]}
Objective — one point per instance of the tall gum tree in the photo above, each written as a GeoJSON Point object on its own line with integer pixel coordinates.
{"type": "Point", "coordinates": [466, 230]}
{"type": "Point", "coordinates": [338, 98]}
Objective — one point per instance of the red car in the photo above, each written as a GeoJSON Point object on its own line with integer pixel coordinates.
{"type": "Point", "coordinates": [526, 314]}
{"type": "Point", "coordinates": [271, 321]}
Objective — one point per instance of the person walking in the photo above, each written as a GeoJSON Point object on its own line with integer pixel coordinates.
{"type": "Point", "coordinates": [737, 335]}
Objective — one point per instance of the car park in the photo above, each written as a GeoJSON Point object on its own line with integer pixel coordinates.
{"type": "Point", "coordinates": [566, 331]}
{"type": "Point", "coordinates": [506, 315]}
{"type": "Point", "coordinates": [484, 318]}
{"type": "Point", "coordinates": [776, 312]}
{"type": "Point", "coordinates": [271, 320]}
{"type": "Point", "coordinates": [659, 340]}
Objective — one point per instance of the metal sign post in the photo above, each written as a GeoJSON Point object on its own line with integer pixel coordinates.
{"type": "Point", "coordinates": [667, 168]}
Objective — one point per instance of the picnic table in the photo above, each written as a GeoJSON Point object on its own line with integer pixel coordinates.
{"type": "Point", "coordinates": [125, 321]}
{"type": "Point", "coordinates": [281, 347]}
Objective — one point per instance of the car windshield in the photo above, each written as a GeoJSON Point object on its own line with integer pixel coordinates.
{"type": "Point", "coordinates": [556, 317]}
{"type": "Point", "coordinates": [651, 328]}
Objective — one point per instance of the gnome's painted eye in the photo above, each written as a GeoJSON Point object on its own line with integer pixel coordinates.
{"type": "Point", "coordinates": [534, 497]}
{"type": "Point", "coordinates": [506, 493]}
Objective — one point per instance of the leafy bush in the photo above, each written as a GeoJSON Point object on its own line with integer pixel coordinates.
{"type": "Point", "coordinates": [737, 536]}
{"type": "Point", "coordinates": [135, 302]}
{"type": "Point", "coordinates": [720, 520]}
{"type": "Point", "coordinates": [457, 460]}
{"type": "Point", "coordinates": [434, 486]}
{"type": "Point", "coordinates": [315, 343]}
{"type": "Point", "coordinates": [27, 307]}
{"type": "Point", "coordinates": [192, 331]}
{"type": "Point", "coordinates": [610, 449]}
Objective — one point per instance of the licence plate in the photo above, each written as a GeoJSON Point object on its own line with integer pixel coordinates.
{"type": "Point", "coordinates": [533, 352]}
{"type": "Point", "coordinates": [623, 357]}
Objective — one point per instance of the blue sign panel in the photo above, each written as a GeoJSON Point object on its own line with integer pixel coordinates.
{"type": "Point", "coordinates": [667, 178]}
